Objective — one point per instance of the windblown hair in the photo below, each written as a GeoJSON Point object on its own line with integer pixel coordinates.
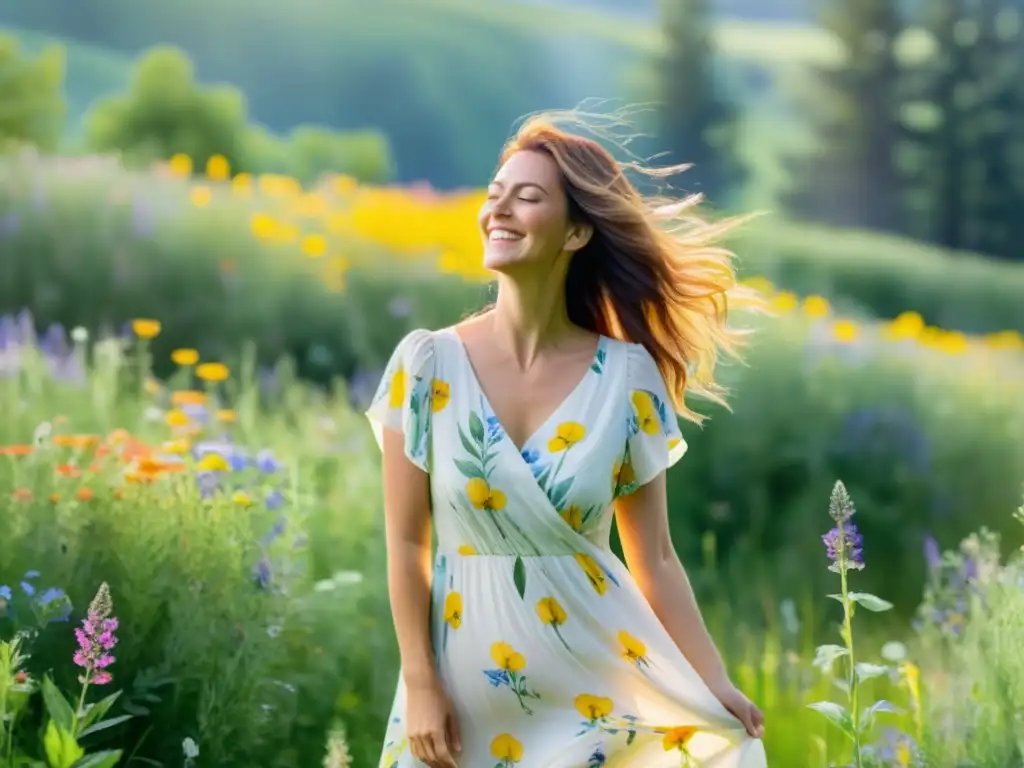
{"type": "Point", "coordinates": [652, 273]}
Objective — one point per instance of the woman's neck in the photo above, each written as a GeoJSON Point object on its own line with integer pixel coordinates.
{"type": "Point", "coordinates": [530, 318]}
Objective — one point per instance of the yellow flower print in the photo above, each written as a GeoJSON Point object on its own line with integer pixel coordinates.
{"type": "Point", "coordinates": [396, 395]}
{"type": "Point", "coordinates": [594, 573]}
{"type": "Point", "coordinates": [573, 516]}
{"type": "Point", "coordinates": [593, 707]}
{"type": "Point", "coordinates": [633, 649]}
{"type": "Point", "coordinates": [550, 612]}
{"type": "Point", "coordinates": [440, 394]}
{"type": "Point", "coordinates": [466, 550]}
{"type": "Point", "coordinates": [507, 657]}
{"type": "Point", "coordinates": [507, 748]}
{"type": "Point", "coordinates": [509, 674]}
{"type": "Point", "coordinates": [482, 496]}
{"type": "Point", "coordinates": [453, 610]}
{"type": "Point", "coordinates": [646, 413]}
{"type": "Point", "coordinates": [678, 738]}
{"type": "Point", "coordinates": [567, 434]}
{"type": "Point", "coordinates": [553, 614]}
{"type": "Point", "coordinates": [673, 443]}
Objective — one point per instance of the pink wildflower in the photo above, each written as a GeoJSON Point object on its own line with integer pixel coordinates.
{"type": "Point", "coordinates": [96, 639]}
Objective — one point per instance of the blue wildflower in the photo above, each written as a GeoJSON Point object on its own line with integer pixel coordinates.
{"type": "Point", "coordinates": [266, 463]}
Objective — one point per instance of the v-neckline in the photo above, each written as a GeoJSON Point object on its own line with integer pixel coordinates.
{"type": "Point", "coordinates": [464, 352]}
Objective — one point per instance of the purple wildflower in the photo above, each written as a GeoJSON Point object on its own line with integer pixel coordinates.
{"type": "Point", "coordinates": [96, 639]}
{"type": "Point", "coordinates": [843, 546]}
{"type": "Point", "coordinates": [932, 554]}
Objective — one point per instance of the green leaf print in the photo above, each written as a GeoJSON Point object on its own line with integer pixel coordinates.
{"type": "Point", "coordinates": [519, 576]}
{"type": "Point", "coordinates": [476, 428]}
{"type": "Point", "coordinates": [469, 469]}
{"type": "Point", "coordinates": [598, 365]}
{"type": "Point", "coordinates": [560, 492]}
{"type": "Point", "coordinates": [471, 449]}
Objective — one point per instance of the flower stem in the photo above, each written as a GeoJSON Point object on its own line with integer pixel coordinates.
{"type": "Point", "coordinates": [848, 638]}
{"type": "Point", "coordinates": [81, 701]}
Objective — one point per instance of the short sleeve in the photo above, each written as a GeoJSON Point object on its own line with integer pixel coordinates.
{"type": "Point", "coordinates": [403, 398]}
{"type": "Point", "coordinates": [654, 442]}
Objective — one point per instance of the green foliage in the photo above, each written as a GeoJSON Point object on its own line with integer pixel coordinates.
{"type": "Point", "coordinates": [30, 92]}
{"type": "Point", "coordinates": [243, 623]}
{"type": "Point", "coordinates": [311, 151]}
{"type": "Point", "coordinates": [166, 112]}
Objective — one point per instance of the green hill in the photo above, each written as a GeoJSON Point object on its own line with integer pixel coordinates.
{"type": "Point", "coordinates": [444, 80]}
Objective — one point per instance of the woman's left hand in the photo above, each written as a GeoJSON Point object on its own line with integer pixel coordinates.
{"type": "Point", "coordinates": [742, 708]}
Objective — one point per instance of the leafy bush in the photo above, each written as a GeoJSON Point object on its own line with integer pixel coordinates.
{"type": "Point", "coordinates": [30, 90]}
{"type": "Point", "coordinates": [165, 112]}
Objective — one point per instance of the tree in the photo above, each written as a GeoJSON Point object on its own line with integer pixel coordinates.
{"type": "Point", "coordinates": [32, 106]}
{"type": "Point", "coordinates": [165, 111]}
{"type": "Point", "coordinates": [696, 123]}
{"type": "Point", "coordinates": [851, 175]}
{"type": "Point", "coordinates": [968, 127]}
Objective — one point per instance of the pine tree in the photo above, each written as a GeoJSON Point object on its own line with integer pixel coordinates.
{"type": "Point", "coordinates": [968, 187]}
{"type": "Point", "coordinates": [850, 176]}
{"type": "Point", "coordinates": [697, 124]}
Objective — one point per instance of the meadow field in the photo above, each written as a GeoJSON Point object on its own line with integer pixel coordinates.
{"type": "Point", "coordinates": [182, 424]}
{"type": "Point", "coordinates": [192, 569]}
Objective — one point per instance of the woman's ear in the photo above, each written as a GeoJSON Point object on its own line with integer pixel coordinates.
{"type": "Point", "coordinates": [579, 235]}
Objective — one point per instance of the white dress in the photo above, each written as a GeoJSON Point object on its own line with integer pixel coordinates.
{"type": "Point", "coordinates": [550, 652]}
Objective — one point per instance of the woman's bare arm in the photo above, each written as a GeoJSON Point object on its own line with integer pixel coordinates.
{"type": "Point", "coordinates": [407, 525]}
{"type": "Point", "coordinates": [642, 519]}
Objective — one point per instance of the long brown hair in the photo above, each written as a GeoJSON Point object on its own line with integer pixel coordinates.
{"type": "Point", "coordinates": [652, 273]}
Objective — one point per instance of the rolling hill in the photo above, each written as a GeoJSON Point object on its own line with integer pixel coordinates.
{"type": "Point", "coordinates": [445, 81]}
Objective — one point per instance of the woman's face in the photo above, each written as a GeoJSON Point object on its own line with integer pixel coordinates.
{"type": "Point", "coordinates": [525, 218]}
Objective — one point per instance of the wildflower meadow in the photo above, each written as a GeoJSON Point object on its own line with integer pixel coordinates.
{"type": "Point", "coordinates": [193, 569]}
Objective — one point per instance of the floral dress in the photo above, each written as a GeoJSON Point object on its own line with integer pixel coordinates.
{"type": "Point", "coordinates": [550, 652]}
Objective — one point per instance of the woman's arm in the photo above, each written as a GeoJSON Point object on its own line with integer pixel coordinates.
{"type": "Point", "coordinates": [407, 530]}
{"type": "Point", "coordinates": [647, 544]}
{"type": "Point", "coordinates": [642, 519]}
{"type": "Point", "coordinates": [431, 724]}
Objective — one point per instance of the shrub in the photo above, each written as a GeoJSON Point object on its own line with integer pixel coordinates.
{"type": "Point", "coordinates": [31, 92]}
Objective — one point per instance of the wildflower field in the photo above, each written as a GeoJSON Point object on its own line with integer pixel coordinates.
{"type": "Point", "coordinates": [191, 505]}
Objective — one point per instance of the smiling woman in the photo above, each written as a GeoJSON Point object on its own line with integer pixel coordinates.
{"type": "Point", "coordinates": [519, 433]}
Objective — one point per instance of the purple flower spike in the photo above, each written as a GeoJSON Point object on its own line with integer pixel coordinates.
{"type": "Point", "coordinates": [843, 546]}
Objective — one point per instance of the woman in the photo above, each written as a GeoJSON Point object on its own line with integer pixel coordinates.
{"type": "Point", "coordinates": [518, 432]}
